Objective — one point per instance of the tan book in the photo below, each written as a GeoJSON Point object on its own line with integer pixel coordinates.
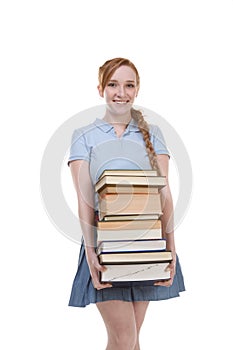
{"type": "Point", "coordinates": [129, 204]}
{"type": "Point", "coordinates": [150, 181]}
{"type": "Point", "coordinates": [127, 189]}
{"type": "Point", "coordinates": [135, 257]}
{"type": "Point", "coordinates": [128, 230]}
{"type": "Point", "coordinates": [128, 172]}
{"type": "Point", "coordinates": [129, 225]}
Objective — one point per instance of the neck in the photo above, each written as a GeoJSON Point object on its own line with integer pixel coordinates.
{"type": "Point", "coordinates": [122, 120]}
{"type": "Point", "coordinates": [119, 122]}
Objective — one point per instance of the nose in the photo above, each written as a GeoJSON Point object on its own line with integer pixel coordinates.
{"type": "Point", "coordinates": [121, 90]}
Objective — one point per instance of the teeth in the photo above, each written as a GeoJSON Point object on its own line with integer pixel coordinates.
{"type": "Point", "coordinates": [121, 102]}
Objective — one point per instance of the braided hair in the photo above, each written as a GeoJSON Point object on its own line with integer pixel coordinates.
{"type": "Point", "coordinates": [144, 129]}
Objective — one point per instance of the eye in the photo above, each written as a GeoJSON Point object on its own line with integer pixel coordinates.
{"type": "Point", "coordinates": [112, 84]}
{"type": "Point", "coordinates": [130, 85]}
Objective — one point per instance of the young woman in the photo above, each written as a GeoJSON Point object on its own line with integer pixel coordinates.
{"type": "Point", "coordinates": [120, 140]}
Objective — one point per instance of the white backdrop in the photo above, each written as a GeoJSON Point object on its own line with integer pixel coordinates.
{"type": "Point", "coordinates": [51, 51]}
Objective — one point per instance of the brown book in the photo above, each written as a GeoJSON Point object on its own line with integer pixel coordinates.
{"type": "Point", "coordinates": [129, 204]}
{"type": "Point", "coordinates": [128, 230]}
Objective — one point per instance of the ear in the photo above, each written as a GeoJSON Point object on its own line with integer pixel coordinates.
{"type": "Point", "coordinates": [101, 93]}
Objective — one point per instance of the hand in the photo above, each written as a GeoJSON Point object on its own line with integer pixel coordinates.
{"type": "Point", "coordinates": [95, 268]}
{"type": "Point", "coordinates": [172, 268]}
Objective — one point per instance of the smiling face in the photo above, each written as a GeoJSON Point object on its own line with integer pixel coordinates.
{"type": "Point", "coordinates": [120, 90]}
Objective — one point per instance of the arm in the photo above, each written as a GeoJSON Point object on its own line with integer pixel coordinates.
{"type": "Point", "coordinates": [167, 218]}
{"type": "Point", "coordinates": [85, 193]}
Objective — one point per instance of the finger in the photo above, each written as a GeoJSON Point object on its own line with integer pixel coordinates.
{"type": "Point", "coordinates": [167, 283]}
{"type": "Point", "coordinates": [97, 285]}
{"type": "Point", "coordinates": [170, 267]}
{"type": "Point", "coordinates": [99, 267]}
{"type": "Point", "coordinates": [172, 274]}
{"type": "Point", "coordinates": [103, 285]}
{"type": "Point", "coordinates": [96, 281]}
{"type": "Point", "coordinates": [162, 284]}
{"type": "Point", "coordinates": [102, 268]}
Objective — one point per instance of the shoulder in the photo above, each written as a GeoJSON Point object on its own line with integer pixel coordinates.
{"type": "Point", "coordinates": [98, 126]}
{"type": "Point", "coordinates": [82, 142]}
{"type": "Point", "coordinates": [158, 140]}
{"type": "Point", "coordinates": [154, 130]}
{"type": "Point", "coordinates": [85, 129]}
{"type": "Point", "coordinates": [85, 132]}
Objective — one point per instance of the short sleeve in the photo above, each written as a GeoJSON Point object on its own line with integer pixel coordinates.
{"type": "Point", "coordinates": [158, 141]}
{"type": "Point", "coordinates": [79, 148]}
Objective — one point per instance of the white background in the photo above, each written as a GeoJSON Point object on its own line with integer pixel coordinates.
{"type": "Point", "coordinates": [50, 54]}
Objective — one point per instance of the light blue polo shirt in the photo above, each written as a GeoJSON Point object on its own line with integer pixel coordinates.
{"type": "Point", "coordinates": [98, 144]}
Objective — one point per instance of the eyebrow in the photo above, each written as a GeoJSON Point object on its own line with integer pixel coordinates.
{"type": "Point", "coordinates": [128, 81]}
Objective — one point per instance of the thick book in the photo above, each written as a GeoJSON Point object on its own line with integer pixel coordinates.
{"type": "Point", "coordinates": [141, 245]}
{"type": "Point", "coordinates": [129, 204]}
{"type": "Point", "coordinates": [135, 257]}
{"type": "Point", "coordinates": [154, 181]}
{"type": "Point", "coordinates": [128, 230]}
{"type": "Point", "coordinates": [147, 274]}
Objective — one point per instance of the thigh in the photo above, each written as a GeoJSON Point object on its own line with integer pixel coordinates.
{"type": "Point", "coordinates": [140, 308]}
{"type": "Point", "coordinates": [118, 316]}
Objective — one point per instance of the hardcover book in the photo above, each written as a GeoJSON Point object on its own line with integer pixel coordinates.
{"type": "Point", "coordinates": [136, 272]}
{"type": "Point", "coordinates": [128, 172]}
{"type": "Point", "coordinates": [136, 217]}
{"type": "Point", "coordinates": [127, 189]}
{"type": "Point", "coordinates": [141, 245]}
{"type": "Point", "coordinates": [135, 257]}
{"type": "Point", "coordinates": [128, 230]}
{"type": "Point", "coordinates": [130, 204]}
{"type": "Point", "coordinates": [154, 181]}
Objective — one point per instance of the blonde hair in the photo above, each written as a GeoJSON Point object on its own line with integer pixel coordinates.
{"type": "Point", "coordinates": [105, 73]}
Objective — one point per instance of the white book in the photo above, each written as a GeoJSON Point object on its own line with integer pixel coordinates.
{"type": "Point", "coordinates": [135, 272]}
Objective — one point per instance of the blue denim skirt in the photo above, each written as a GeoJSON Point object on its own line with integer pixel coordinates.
{"type": "Point", "coordinates": [83, 292]}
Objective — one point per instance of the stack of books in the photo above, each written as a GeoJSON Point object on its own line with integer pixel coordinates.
{"type": "Point", "coordinates": [129, 232]}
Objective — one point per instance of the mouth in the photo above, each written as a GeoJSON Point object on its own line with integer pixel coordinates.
{"type": "Point", "coordinates": [121, 102]}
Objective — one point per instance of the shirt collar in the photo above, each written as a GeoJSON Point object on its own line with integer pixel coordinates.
{"type": "Point", "coordinates": [133, 126]}
{"type": "Point", "coordinates": [106, 127]}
